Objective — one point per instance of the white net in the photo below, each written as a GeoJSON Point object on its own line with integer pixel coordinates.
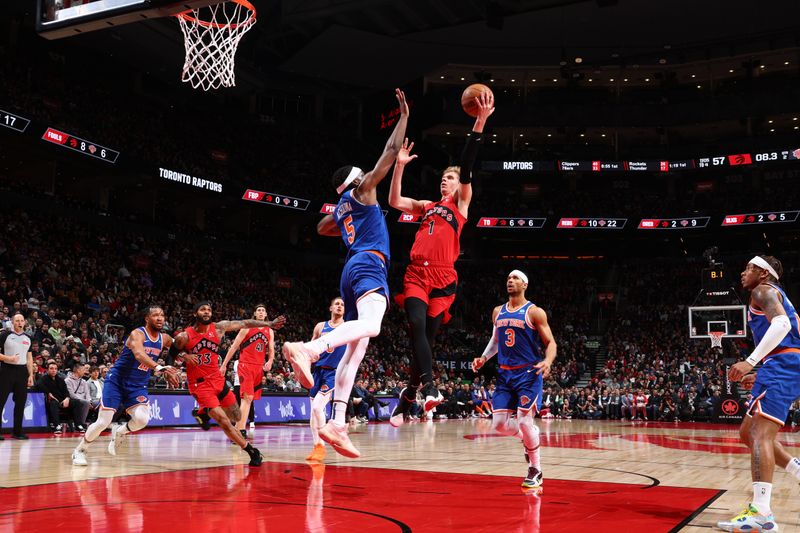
{"type": "Point", "coordinates": [716, 339]}
{"type": "Point", "coordinates": [211, 36]}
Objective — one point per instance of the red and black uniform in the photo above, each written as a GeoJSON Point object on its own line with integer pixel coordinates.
{"type": "Point", "coordinates": [205, 382]}
{"type": "Point", "coordinates": [431, 276]}
{"type": "Point", "coordinates": [252, 351]}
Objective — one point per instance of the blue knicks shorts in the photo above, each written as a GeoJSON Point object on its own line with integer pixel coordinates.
{"type": "Point", "coordinates": [116, 392]}
{"type": "Point", "coordinates": [324, 380]}
{"type": "Point", "coordinates": [365, 272]}
{"type": "Point", "coordinates": [777, 386]}
{"type": "Point", "coordinates": [517, 389]}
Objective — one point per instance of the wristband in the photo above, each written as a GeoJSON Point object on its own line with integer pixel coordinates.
{"type": "Point", "coordinates": [159, 368]}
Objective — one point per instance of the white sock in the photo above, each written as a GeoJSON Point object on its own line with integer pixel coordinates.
{"type": "Point", "coordinates": [793, 467]}
{"type": "Point", "coordinates": [371, 309]}
{"type": "Point", "coordinates": [761, 495]}
{"type": "Point", "coordinates": [339, 412]}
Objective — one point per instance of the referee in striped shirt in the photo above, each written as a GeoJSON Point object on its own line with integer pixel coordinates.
{"type": "Point", "coordinates": [16, 371]}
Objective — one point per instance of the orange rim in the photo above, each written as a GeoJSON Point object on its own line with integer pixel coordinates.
{"type": "Point", "coordinates": [187, 15]}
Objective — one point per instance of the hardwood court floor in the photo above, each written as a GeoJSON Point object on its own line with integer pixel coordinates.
{"type": "Point", "coordinates": [435, 476]}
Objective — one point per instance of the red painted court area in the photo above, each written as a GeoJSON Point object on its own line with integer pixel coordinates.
{"type": "Point", "coordinates": [297, 497]}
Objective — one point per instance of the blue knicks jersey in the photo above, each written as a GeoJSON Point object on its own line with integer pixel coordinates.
{"type": "Point", "coordinates": [131, 371]}
{"type": "Point", "coordinates": [759, 324]}
{"type": "Point", "coordinates": [363, 226]}
{"type": "Point", "coordinates": [517, 339]}
{"type": "Point", "coordinates": [330, 358]}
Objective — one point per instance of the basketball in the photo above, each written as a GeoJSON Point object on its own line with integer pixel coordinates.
{"type": "Point", "coordinates": [469, 95]}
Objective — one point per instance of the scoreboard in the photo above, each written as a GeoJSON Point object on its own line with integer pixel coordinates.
{"type": "Point", "coordinates": [277, 200]}
{"type": "Point", "coordinates": [511, 222]}
{"type": "Point", "coordinates": [83, 146]}
{"type": "Point", "coordinates": [592, 223]}
{"type": "Point", "coordinates": [13, 122]}
{"type": "Point", "coordinates": [674, 223]}
{"type": "Point", "coordinates": [775, 217]}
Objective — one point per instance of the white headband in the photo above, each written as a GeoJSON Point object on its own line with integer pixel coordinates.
{"type": "Point", "coordinates": [354, 173]}
{"type": "Point", "coordinates": [521, 275]}
{"type": "Point", "coordinates": [759, 262]}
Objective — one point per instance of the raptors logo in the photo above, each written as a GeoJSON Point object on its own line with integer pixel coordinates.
{"type": "Point", "coordinates": [730, 407]}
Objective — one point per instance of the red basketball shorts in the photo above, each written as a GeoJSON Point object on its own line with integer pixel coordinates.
{"type": "Point", "coordinates": [209, 393]}
{"type": "Point", "coordinates": [433, 284]}
{"type": "Point", "coordinates": [250, 378]}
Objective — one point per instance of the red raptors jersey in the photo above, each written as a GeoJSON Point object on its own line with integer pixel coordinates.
{"type": "Point", "coordinates": [206, 346]}
{"type": "Point", "coordinates": [437, 239]}
{"type": "Point", "coordinates": [254, 346]}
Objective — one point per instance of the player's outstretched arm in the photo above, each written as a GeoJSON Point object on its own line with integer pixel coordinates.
{"type": "Point", "coordinates": [485, 108]}
{"type": "Point", "coordinates": [270, 352]}
{"type": "Point", "coordinates": [765, 298]}
{"type": "Point", "coordinates": [366, 189]}
{"type": "Point", "coordinates": [136, 344]}
{"type": "Point", "coordinates": [491, 347]}
{"type": "Point", "coordinates": [538, 318]}
{"type": "Point", "coordinates": [232, 350]}
{"type": "Point", "coordinates": [327, 227]}
{"type": "Point", "coordinates": [396, 198]}
{"type": "Point", "coordinates": [223, 326]}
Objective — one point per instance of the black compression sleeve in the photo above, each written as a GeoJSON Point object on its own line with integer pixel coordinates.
{"type": "Point", "coordinates": [468, 157]}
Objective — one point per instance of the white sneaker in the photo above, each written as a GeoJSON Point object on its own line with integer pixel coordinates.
{"type": "Point", "coordinates": [79, 458]}
{"type": "Point", "coordinates": [116, 439]}
{"type": "Point", "coordinates": [397, 420]}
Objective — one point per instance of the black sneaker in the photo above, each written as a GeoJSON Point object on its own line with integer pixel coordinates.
{"type": "Point", "coordinates": [432, 396]}
{"type": "Point", "coordinates": [534, 479]}
{"type": "Point", "coordinates": [19, 436]}
{"type": "Point", "coordinates": [202, 418]}
{"type": "Point", "coordinates": [255, 456]}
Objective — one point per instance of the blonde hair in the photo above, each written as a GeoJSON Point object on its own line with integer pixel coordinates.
{"type": "Point", "coordinates": [457, 170]}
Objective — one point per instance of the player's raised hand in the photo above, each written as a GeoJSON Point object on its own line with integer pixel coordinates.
{"type": "Point", "coordinates": [543, 368]}
{"type": "Point", "coordinates": [401, 100]}
{"type": "Point", "coordinates": [278, 322]}
{"type": "Point", "coordinates": [477, 363]}
{"type": "Point", "coordinates": [485, 102]}
{"type": "Point", "coordinates": [404, 156]}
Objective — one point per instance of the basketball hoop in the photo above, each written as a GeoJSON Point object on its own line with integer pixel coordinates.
{"type": "Point", "coordinates": [211, 36]}
{"type": "Point", "coordinates": [716, 338]}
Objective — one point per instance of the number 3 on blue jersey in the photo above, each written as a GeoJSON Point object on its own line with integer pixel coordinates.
{"type": "Point", "coordinates": [351, 231]}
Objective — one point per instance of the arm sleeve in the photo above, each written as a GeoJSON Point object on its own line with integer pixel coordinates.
{"type": "Point", "coordinates": [491, 347]}
{"type": "Point", "coordinates": [468, 157]}
{"type": "Point", "coordinates": [777, 330]}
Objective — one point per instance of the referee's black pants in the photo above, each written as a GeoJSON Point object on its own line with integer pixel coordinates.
{"type": "Point", "coordinates": [14, 378]}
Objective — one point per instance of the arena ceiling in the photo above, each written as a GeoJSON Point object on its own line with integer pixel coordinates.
{"type": "Point", "coordinates": [378, 44]}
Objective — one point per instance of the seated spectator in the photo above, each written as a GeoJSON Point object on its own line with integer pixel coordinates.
{"type": "Point", "coordinates": [80, 398]}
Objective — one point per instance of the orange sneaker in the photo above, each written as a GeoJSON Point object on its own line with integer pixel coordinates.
{"type": "Point", "coordinates": [339, 439]}
{"type": "Point", "coordinates": [317, 453]}
{"type": "Point", "coordinates": [301, 362]}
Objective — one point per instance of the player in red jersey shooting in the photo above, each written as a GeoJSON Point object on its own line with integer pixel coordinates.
{"type": "Point", "coordinates": [253, 345]}
{"type": "Point", "coordinates": [429, 286]}
{"type": "Point", "coordinates": [201, 343]}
